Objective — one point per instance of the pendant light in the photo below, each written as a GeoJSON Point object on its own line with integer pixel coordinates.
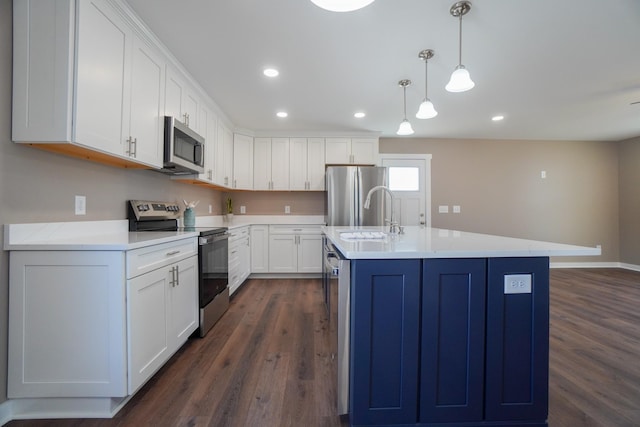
{"type": "Point", "coordinates": [342, 5]}
{"type": "Point", "coordinates": [426, 110]}
{"type": "Point", "coordinates": [405, 127]}
{"type": "Point", "coordinates": [460, 79]}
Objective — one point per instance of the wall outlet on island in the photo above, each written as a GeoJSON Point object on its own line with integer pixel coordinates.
{"type": "Point", "coordinates": [243, 209]}
{"type": "Point", "coordinates": [287, 209]}
{"type": "Point", "coordinates": [210, 209]}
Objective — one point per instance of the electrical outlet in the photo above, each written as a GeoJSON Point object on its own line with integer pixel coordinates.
{"type": "Point", "coordinates": [517, 284]}
{"type": "Point", "coordinates": [543, 174]}
{"type": "Point", "coordinates": [210, 209]}
{"type": "Point", "coordinates": [456, 208]}
{"type": "Point", "coordinates": [287, 209]}
{"type": "Point", "coordinates": [243, 209]}
{"type": "Point", "coordinates": [81, 205]}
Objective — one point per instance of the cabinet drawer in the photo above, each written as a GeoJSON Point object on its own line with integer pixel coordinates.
{"type": "Point", "coordinates": [295, 229]}
{"type": "Point", "coordinates": [238, 234]}
{"type": "Point", "coordinates": [143, 260]}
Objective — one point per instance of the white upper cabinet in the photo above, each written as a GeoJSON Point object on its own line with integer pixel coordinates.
{"type": "Point", "coordinates": [209, 130]}
{"type": "Point", "coordinates": [271, 164]}
{"type": "Point", "coordinates": [223, 172]}
{"type": "Point", "coordinates": [242, 162]}
{"type": "Point", "coordinates": [306, 164]}
{"type": "Point", "coordinates": [358, 151]}
{"type": "Point", "coordinates": [90, 82]}
{"type": "Point", "coordinates": [181, 101]}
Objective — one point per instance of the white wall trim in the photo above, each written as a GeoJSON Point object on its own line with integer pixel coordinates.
{"type": "Point", "coordinates": [594, 265]}
{"type": "Point", "coordinates": [6, 412]}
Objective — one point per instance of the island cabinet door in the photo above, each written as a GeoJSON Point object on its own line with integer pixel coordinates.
{"type": "Point", "coordinates": [452, 347]}
{"type": "Point", "coordinates": [385, 321]}
{"type": "Point", "coordinates": [517, 367]}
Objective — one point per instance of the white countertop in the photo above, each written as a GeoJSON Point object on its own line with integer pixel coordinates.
{"type": "Point", "coordinates": [114, 235]}
{"type": "Point", "coordinates": [426, 242]}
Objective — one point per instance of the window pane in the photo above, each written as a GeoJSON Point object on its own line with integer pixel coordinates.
{"type": "Point", "coordinates": [404, 179]}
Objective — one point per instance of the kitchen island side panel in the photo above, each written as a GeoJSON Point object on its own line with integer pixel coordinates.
{"type": "Point", "coordinates": [385, 323]}
{"type": "Point", "coordinates": [517, 365]}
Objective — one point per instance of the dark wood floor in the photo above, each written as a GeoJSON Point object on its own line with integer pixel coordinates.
{"type": "Point", "coordinates": [267, 362]}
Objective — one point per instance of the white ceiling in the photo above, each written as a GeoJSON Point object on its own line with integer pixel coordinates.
{"type": "Point", "coordinates": [556, 69]}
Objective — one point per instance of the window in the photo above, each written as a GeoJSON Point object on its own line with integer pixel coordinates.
{"type": "Point", "coordinates": [404, 178]}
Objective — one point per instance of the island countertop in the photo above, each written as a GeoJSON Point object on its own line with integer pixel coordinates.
{"type": "Point", "coordinates": [428, 242]}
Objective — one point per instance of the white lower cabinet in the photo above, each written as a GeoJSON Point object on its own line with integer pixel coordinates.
{"type": "Point", "coordinates": [295, 249]}
{"type": "Point", "coordinates": [162, 311]}
{"type": "Point", "coordinates": [97, 324]}
{"type": "Point", "coordinates": [259, 248]}
{"type": "Point", "coordinates": [239, 257]}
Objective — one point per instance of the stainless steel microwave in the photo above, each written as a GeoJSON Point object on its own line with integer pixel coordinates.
{"type": "Point", "coordinates": [183, 149]}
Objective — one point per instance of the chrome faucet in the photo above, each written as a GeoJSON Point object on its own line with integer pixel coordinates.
{"type": "Point", "coordinates": [394, 227]}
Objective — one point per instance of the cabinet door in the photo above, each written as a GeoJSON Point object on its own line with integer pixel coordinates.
{"type": "Point", "coordinates": [280, 163]}
{"type": "Point", "coordinates": [385, 324]}
{"type": "Point", "coordinates": [298, 164]}
{"type": "Point", "coordinates": [452, 347]}
{"type": "Point", "coordinates": [517, 366]}
{"type": "Point", "coordinates": [315, 164]}
{"type": "Point", "coordinates": [337, 151]}
{"type": "Point", "coordinates": [242, 162]}
{"type": "Point", "coordinates": [147, 114]}
{"type": "Point", "coordinates": [211, 145]}
{"type": "Point", "coordinates": [364, 151]}
{"type": "Point", "coordinates": [148, 324]}
{"type": "Point", "coordinates": [262, 164]}
{"type": "Point", "coordinates": [223, 174]}
{"type": "Point", "coordinates": [310, 253]}
{"type": "Point", "coordinates": [283, 253]}
{"type": "Point", "coordinates": [67, 335]}
{"type": "Point", "coordinates": [184, 301]}
{"type": "Point", "coordinates": [104, 44]}
{"type": "Point", "coordinates": [259, 248]}
{"type": "Point", "coordinates": [174, 95]}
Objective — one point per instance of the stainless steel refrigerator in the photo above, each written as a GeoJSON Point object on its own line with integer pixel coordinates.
{"type": "Point", "coordinates": [347, 188]}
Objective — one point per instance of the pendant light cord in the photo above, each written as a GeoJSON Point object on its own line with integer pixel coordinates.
{"type": "Point", "coordinates": [405, 101]}
{"type": "Point", "coordinates": [460, 38]}
{"type": "Point", "coordinates": [425, 79]}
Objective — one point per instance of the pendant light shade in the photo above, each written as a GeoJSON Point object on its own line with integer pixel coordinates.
{"type": "Point", "coordinates": [405, 127]}
{"type": "Point", "coordinates": [460, 79]}
{"type": "Point", "coordinates": [426, 110]}
{"type": "Point", "coordinates": [342, 5]}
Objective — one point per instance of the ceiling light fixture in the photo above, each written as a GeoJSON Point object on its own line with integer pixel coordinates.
{"type": "Point", "coordinates": [342, 5]}
{"type": "Point", "coordinates": [460, 79]}
{"type": "Point", "coordinates": [282, 114]}
{"type": "Point", "coordinates": [270, 72]}
{"type": "Point", "coordinates": [426, 110]}
{"type": "Point", "coordinates": [497, 118]}
{"type": "Point", "coordinates": [405, 127]}
{"type": "Point", "coordinates": [359, 115]}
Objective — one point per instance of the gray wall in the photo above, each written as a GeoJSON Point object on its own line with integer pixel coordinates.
{"type": "Point", "coordinates": [498, 186]}
{"type": "Point", "coordinates": [630, 201]}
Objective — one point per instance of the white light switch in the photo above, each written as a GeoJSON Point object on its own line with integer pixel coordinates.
{"type": "Point", "coordinates": [243, 209]}
{"type": "Point", "coordinates": [81, 205]}
{"type": "Point", "coordinates": [287, 209]}
{"type": "Point", "coordinates": [443, 209]}
{"type": "Point", "coordinates": [517, 284]}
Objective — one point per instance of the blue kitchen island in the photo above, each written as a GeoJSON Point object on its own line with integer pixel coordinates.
{"type": "Point", "coordinates": [447, 328]}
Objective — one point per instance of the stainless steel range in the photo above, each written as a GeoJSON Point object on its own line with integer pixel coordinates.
{"type": "Point", "coordinates": [213, 265]}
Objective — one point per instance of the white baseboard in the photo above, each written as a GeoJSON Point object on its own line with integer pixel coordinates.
{"type": "Point", "coordinates": [595, 265]}
{"type": "Point", "coordinates": [6, 413]}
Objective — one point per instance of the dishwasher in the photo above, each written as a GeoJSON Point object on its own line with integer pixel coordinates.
{"type": "Point", "coordinates": [336, 282]}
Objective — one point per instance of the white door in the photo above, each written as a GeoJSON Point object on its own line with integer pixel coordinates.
{"type": "Point", "coordinates": [410, 180]}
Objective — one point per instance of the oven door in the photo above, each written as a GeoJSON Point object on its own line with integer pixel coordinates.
{"type": "Point", "coordinates": [213, 256]}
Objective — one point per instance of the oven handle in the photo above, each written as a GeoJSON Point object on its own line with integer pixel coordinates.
{"type": "Point", "coordinates": [213, 238]}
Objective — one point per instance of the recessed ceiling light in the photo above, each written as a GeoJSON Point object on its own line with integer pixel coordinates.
{"type": "Point", "coordinates": [271, 72]}
{"type": "Point", "coordinates": [497, 118]}
{"type": "Point", "coordinates": [282, 114]}
{"type": "Point", "coordinates": [359, 115]}
{"type": "Point", "coordinates": [341, 5]}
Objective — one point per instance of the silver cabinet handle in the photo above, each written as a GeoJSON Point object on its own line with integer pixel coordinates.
{"type": "Point", "coordinates": [210, 174]}
{"type": "Point", "coordinates": [177, 275]}
{"type": "Point", "coordinates": [134, 143]}
{"type": "Point", "coordinates": [173, 252]}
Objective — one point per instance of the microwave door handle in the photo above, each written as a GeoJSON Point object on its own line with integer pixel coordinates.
{"type": "Point", "coordinates": [198, 154]}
